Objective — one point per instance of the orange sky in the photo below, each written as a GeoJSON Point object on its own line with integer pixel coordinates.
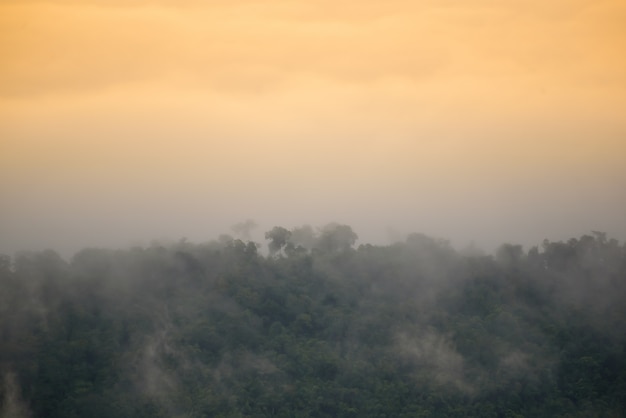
{"type": "Point", "coordinates": [123, 121]}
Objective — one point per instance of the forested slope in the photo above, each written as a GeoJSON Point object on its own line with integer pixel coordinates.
{"type": "Point", "coordinates": [317, 328]}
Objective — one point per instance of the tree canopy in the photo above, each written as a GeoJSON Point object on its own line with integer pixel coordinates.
{"type": "Point", "coordinates": [318, 328]}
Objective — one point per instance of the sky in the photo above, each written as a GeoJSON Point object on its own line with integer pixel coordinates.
{"type": "Point", "coordinates": [470, 120]}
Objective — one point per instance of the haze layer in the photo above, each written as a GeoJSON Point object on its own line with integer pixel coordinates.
{"type": "Point", "coordinates": [470, 120]}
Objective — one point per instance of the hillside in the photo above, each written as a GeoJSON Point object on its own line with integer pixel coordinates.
{"type": "Point", "coordinates": [316, 328]}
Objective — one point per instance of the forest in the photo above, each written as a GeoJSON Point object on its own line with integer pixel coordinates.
{"type": "Point", "coordinates": [315, 326]}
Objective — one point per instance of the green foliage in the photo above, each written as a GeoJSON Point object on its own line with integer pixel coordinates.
{"type": "Point", "coordinates": [317, 329]}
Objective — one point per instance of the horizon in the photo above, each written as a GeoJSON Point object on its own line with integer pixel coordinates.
{"type": "Point", "coordinates": [256, 234]}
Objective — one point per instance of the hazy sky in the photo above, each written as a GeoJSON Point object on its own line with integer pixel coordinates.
{"type": "Point", "coordinates": [491, 120]}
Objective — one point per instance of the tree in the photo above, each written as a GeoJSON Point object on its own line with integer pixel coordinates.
{"type": "Point", "coordinates": [509, 255]}
{"type": "Point", "coordinates": [335, 237]}
{"type": "Point", "coordinates": [304, 237]}
{"type": "Point", "coordinates": [278, 237]}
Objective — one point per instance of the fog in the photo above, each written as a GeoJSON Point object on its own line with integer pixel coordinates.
{"type": "Point", "coordinates": [312, 209]}
{"type": "Point", "coordinates": [317, 324]}
{"type": "Point", "coordinates": [35, 219]}
{"type": "Point", "coordinates": [469, 121]}
{"type": "Point", "coordinates": [68, 236]}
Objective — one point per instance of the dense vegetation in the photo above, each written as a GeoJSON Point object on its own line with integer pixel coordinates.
{"type": "Point", "coordinates": [316, 328]}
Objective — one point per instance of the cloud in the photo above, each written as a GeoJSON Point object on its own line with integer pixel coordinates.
{"type": "Point", "coordinates": [256, 47]}
{"type": "Point", "coordinates": [62, 48]}
{"type": "Point", "coordinates": [400, 107]}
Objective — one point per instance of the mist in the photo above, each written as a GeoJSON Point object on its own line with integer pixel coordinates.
{"type": "Point", "coordinates": [309, 209]}
{"type": "Point", "coordinates": [319, 323]}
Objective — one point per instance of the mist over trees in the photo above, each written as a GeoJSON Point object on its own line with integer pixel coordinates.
{"type": "Point", "coordinates": [317, 327]}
